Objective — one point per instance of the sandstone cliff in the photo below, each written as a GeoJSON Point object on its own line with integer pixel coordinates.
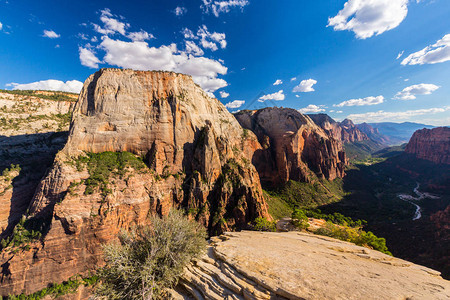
{"type": "Point", "coordinates": [293, 146]}
{"type": "Point", "coordinates": [431, 144]}
{"type": "Point", "coordinates": [184, 149]}
{"type": "Point", "coordinates": [33, 127]}
{"type": "Point", "coordinates": [345, 131]}
{"type": "Point", "coordinates": [294, 265]}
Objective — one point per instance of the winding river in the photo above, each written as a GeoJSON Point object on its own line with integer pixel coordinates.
{"type": "Point", "coordinates": [412, 199]}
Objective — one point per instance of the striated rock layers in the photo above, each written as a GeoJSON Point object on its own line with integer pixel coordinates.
{"type": "Point", "coordinates": [293, 265]}
{"type": "Point", "coordinates": [431, 144]}
{"type": "Point", "coordinates": [196, 156]}
{"type": "Point", "coordinates": [293, 146]}
{"type": "Point", "coordinates": [345, 131]}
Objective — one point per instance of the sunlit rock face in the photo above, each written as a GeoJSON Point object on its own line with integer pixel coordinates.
{"type": "Point", "coordinates": [196, 157]}
{"type": "Point", "coordinates": [431, 144]}
{"type": "Point", "coordinates": [294, 147]}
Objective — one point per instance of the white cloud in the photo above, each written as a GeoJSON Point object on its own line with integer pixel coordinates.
{"type": "Point", "coordinates": [297, 96]}
{"type": "Point", "coordinates": [210, 40]}
{"type": "Point", "coordinates": [207, 39]}
{"type": "Point", "coordinates": [361, 101]}
{"type": "Point", "coordinates": [381, 116]}
{"type": "Point", "coordinates": [278, 96]}
{"type": "Point", "coordinates": [140, 36]}
{"type": "Point", "coordinates": [370, 17]}
{"type": "Point", "coordinates": [293, 78]}
{"type": "Point", "coordinates": [339, 112]}
{"type": "Point", "coordinates": [312, 109]}
{"type": "Point", "coordinates": [400, 54]}
{"type": "Point", "coordinates": [139, 55]}
{"type": "Point", "coordinates": [72, 86]}
{"type": "Point", "coordinates": [188, 34]}
{"type": "Point", "coordinates": [192, 48]}
{"type": "Point", "coordinates": [223, 6]}
{"type": "Point", "coordinates": [437, 53]}
{"type": "Point", "coordinates": [179, 11]}
{"type": "Point", "coordinates": [224, 94]}
{"type": "Point", "coordinates": [1, 25]}
{"type": "Point", "coordinates": [278, 82]}
{"type": "Point", "coordinates": [235, 104]}
{"type": "Point", "coordinates": [51, 34]}
{"type": "Point", "coordinates": [410, 92]}
{"type": "Point", "coordinates": [88, 58]}
{"type": "Point", "coordinates": [112, 25]}
{"type": "Point", "coordinates": [305, 86]}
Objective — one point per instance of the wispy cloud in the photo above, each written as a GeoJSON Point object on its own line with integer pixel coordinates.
{"type": "Point", "coordinates": [361, 101]}
{"type": "Point", "coordinates": [312, 108]}
{"type": "Point", "coordinates": [437, 53]}
{"type": "Point", "coordinates": [410, 92]}
{"type": "Point", "coordinates": [235, 104]}
{"type": "Point", "coordinates": [278, 82]}
{"type": "Point", "coordinates": [179, 10]}
{"type": "Point", "coordinates": [381, 116]}
{"type": "Point", "coordinates": [51, 34]}
{"type": "Point", "coordinates": [222, 6]}
{"type": "Point", "coordinates": [278, 96]}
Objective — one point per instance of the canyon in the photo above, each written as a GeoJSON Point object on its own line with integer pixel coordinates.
{"type": "Point", "coordinates": [143, 142]}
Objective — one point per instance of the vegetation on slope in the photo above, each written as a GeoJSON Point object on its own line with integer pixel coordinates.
{"type": "Point", "coordinates": [56, 290]}
{"type": "Point", "coordinates": [49, 95]}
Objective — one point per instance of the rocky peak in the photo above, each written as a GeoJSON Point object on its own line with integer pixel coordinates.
{"type": "Point", "coordinates": [196, 155]}
{"type": "Point", "coordinates": [293, 146]}
{"type": "Point", "coordinates": [431, 144]}
{"type": "Point", "coordinates": [345, 131]}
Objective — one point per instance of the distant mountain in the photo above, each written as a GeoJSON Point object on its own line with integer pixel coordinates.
{"type": "Point", "coordinates": [396, 133]}
{"type": "Point", "coordinates": [373, 133]}
{"type": "Point", "coordinates": [358, 144]}
{"type": "Point", "coordinates": [345, 131]}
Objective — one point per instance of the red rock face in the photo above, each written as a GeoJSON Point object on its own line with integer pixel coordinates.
{"type": "Point", "coordinates": [431, 144]}
{"type": "Point", "coordinates": [198, 157]}
{"type": "Point", "coordinates": [345, 131]}
{"type": "Point", "coordinates": [293, 146]}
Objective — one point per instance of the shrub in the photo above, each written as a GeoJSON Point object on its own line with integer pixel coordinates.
{"type": "Point", "coordinates": [149, 259]}
{"type": "Point", "coordinates": [299, 219]}
{"type": "Point", "coordinates": [354, 235]}
{"type": "Point", "coordinates": [262, 224]}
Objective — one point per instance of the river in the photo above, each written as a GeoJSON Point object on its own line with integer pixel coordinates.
{"type": "Point", "coordinates": [412, 199]}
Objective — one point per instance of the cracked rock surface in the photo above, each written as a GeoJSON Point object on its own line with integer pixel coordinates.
{"type": "Point", "coordinates": [295, 265]}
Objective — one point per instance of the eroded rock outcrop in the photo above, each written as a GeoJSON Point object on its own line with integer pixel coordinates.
{"type": "Point", "coordinates": [294, 147]}
{"type": "Point", "coordinates": [197, 157]}
{"type": "Point", "coordinates": [345, 131]}
{"type": "Point", "coordinates": [431, 144]}
{"type": "Point", "coordinates": [294, 265]}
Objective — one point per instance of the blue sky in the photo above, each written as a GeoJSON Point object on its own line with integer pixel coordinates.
{"type": "Point", "coordinates": [337, 57]}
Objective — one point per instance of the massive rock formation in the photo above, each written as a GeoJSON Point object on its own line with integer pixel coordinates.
{"type": "Point", "coordinates": [196, 154]}
{"type": "Point", "coordinates": [293, 146]}
{"type": "Point", "coordinates": [345, 131]}
{"type": "Point", "coordinates": [431, 144]}
{"type": "Point", "coordinates": [293, 265]}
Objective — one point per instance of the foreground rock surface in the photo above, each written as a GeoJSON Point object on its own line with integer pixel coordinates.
{"type": "Point", "coordinates": [294, 265]}
{"type": "Point", "coordinates": [197, 158]}
{"type": "Point", "coordinates": [431, 144]}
